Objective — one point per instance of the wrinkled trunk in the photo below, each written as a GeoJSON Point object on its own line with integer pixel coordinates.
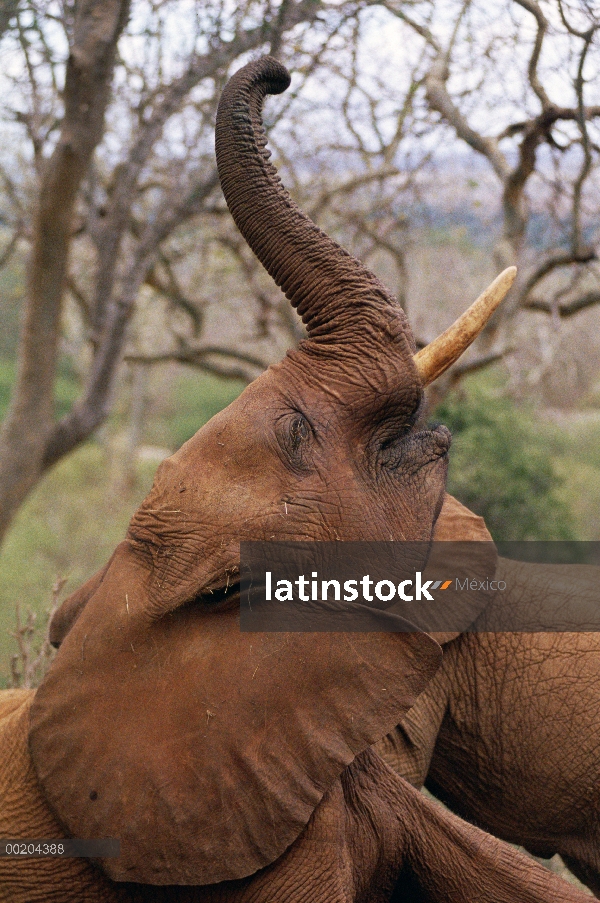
{"type": "Point", "coordinates": [338, 298]}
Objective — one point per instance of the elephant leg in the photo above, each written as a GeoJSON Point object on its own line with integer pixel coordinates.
{"type": "Point", "coordinates": [448, 860]}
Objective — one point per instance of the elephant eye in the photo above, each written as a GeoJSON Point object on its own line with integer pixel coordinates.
{"type": "Point", "coordinates": [299, 432]}
{"type": "Point", "coordinates": [294, 433]}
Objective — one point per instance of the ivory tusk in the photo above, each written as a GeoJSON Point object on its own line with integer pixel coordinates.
{"type": "Point", "coordinates": [435, 358]}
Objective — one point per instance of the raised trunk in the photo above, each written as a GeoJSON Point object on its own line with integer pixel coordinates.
{"type": "Point", "coordinates": [338, 298]}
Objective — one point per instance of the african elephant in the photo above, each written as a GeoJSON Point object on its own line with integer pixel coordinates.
{"type": "Point", "coordinates": [508, 731]}
{"type": "Point", "coordinates": [236, 766]}
{"type": "Point", "coordinates": [372, 838]}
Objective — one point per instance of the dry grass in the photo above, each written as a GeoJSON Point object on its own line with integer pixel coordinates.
{"type": "Point", "coordinates": [29, 664]}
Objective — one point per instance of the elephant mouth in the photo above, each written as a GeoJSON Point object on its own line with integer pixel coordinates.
{"type": "Point", "coordinates": [421, 449]}
{"type": "Point", "coordinates": [435, 444]}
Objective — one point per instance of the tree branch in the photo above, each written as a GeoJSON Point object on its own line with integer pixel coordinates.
{"type": "Point", "coordinates": [440, 100]}
{"type": "Point", "coordinates": [87, 90]}
{"type": "Point", "coordinates": [6, 254]}
{"type": "Point", "coordinates": [586, 165]}
{"type": "Point", "coordinates": [171, 290]}
{"type": "Point", "coordinates": [565, 309]}
{"type": "Point", "coordinates": [542, 25]}
{"type": "Point", "coordinates": [92, 408]}
{"type": "Point", "coordinates": [552, 261]}
{"type": "Point", "coordinates": [201, 358]}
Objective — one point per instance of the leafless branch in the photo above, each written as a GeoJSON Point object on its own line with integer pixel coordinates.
{"type": "Point", "coordinates": [227, 363]}
{"type": "Point", "coordinates": [565, 309]}
{"type": "Point", "coordinates": [440, 100]}
{"type": "Point", "coordinates": [542, 26]}
{"type": "Point", "coordinates": [8, 251]}
{"type": "Point", "coordinates": [553, 260]}
{"type": "Point", "coordinates": [169, 287]}
{"type": "Point", "coordinates": [463, 368]}
{"type": "Point", "coordinates": [585, 143]}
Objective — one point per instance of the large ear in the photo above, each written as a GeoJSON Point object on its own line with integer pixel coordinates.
{"type": "Point", "coordinates": [203, 749]}
{"type": "Point", "coordinates": [456, 524]}
{"type": "Point", "coordinates": [66, 615]}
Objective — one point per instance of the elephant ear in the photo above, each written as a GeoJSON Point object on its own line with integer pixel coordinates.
{"type": "Point", "coordinates": [203, 749]}
{"type": "Point", "coordinates": [457, 524]}
{"type": "Point", "coordinates": [66, 615]}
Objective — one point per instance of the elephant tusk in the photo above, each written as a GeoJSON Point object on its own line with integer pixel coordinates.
{"type": "Point", "coordinates": [435, 358]}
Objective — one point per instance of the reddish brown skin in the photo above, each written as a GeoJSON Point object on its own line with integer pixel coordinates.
{"type": "Point", "coordinates": [323, 446]}
{"type": "Point", "coordinates": [372, 839]}
{"type": "Point", "coordinates": [238, 722]}
{"type": "Point", "coordinates": [156, 708]}
{"type": "Point", "coordinates": [518, 747]}
{"type": "Point", "coordinates": [508, 731]}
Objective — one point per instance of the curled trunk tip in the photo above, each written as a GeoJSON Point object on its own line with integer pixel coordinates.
{"type": "Point", "coordinates": [337, 297]}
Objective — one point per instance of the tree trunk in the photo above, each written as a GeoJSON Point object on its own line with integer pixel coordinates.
{"type": "Point", "coordinates": [30, 418]}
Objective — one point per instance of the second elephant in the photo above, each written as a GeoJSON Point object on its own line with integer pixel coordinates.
{"type": "Point", "coordinates": [508, 731]}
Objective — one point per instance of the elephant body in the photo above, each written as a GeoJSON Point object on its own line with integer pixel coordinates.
{"type": "Point", "coordinates": [372, 839]}
{"type": "Point", "coordinates": [508, 731]}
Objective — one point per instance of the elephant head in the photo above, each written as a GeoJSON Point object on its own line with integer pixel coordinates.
{"type": "Point", "coordinates": [206, 750]}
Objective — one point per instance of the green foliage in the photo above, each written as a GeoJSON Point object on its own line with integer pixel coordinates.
{"type": "Point", "coordinates": [501, 468]}
{"type": "Point", "coordinates": [66, 388]}
{"type": "Point", "coordinates": [69, 526]}
{"type": "Point", "coordinates": [194, 399]}
{"type": "Point", "coordinates": [7, 376]}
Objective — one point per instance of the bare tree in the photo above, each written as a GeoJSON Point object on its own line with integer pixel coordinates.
{"type": "Point", "coordinates": [518, 65]}
{"type": "Point", "coordinates": [116, 193]}
{"type": "Point", "coordinates": [28, 427]}
{"type": "Point", "coordinates": [116, 203]}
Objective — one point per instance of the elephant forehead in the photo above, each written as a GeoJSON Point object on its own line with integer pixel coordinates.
{"type": "Point", "coordinates": [203, 749]}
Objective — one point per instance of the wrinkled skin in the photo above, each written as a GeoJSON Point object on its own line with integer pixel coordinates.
{"type": "Point", "coordinates": [151, 614]}
{"type": "Point", "coordinates": [325, 445]}
{"type": "Point", "coordinates": [372, 839]}
{"type": "Point", "coordinates": [519, 744]}
{"type": "Point", "coordinates": [508, 731]}
{"type": "Point", "coordinates": [235, 765]}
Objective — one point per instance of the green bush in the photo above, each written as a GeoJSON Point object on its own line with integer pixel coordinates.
{"type": "Point", "coordinates": [501, 468]}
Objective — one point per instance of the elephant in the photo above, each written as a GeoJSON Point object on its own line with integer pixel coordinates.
{"type": "Point", "coordinates": [372, 837]}
{"type": "Point", "coordinates": [507, 733]}
{"type": "Point", "coordinates": [238, 767]}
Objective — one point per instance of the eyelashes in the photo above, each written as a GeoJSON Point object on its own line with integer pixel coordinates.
{"type": "Point", "coordinates": [299, 432]}
{"type": "Point", "coordinates": [295, 437]}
